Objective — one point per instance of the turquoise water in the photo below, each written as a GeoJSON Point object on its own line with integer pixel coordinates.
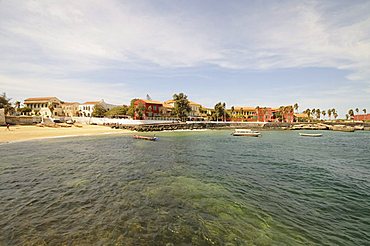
{"type": "Point", "coordinates": [189, 188]}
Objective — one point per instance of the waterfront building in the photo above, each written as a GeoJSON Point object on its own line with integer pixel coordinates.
{"type": "Point", "coordinates": [363, 117]}
{"type": "Point", "coordinates": [70, 109]}
{"type": "Point", "coordinates": [195, 112]}
{"type": "Point", "coordinates": [87, 108]}
{"type": "Point", "coordinates": [147, 109]}
{"type": "Point", "coordinates": [262, 114]}
{"type": "Point", "coordinates": [44, 106]}
{"type": "Point", "coordinates": [302, 117]}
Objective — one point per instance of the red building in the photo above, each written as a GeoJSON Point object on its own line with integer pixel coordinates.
{"type": "Point", "coordinates": [263, 114]}
{"type": "Point", "coordinates": [147, 109]}
{"type": "Point", "coordinates": [362, 117]}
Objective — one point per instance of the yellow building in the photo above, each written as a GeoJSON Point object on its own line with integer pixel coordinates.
{"type": "Point", "coordinates": [70, 109]}
{"type": "Point", "coordinates": [44, 106]}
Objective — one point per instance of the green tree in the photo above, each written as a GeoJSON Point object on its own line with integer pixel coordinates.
{"type": "Point", "coordinates": [131, 108]}
{"type": "Point", "coordinates": [24, 110]}
{"type": "Point", "coordinates": [98, 111]}
{"type": "Point", "coordinates": [329, 113]}
{"type": "Point", "coordinates": [220, 111]}
{"type": "Point", "coordinates": [323, 113]}
{"type": "Point", "coordinates": [140, 110]}
{"type": "Point", "coordinates": [117, 111]}
{"type": "Point", "coordinates": [313, 111]}
{"type": "Point", "coordinates": [182, 106]}
{"type": "Point", "coordinates": [318, 113]}
{"type": "Point", "coordinates": [296, 107]}
{"type": "Point", "coordinates": [351, 113]}
{"type": "Point", "coordinates": [364, 110]}
{"type": "Point", "coordinates": [335, 115]}
{"type": "Point", "coordinates": [5, 104]}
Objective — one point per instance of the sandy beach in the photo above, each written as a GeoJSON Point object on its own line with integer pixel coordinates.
{"type": "Point", "coordinates": [23, 133]}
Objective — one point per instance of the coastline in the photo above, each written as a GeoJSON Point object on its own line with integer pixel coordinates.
{"type": "Point", "coordinates": [27, 133]}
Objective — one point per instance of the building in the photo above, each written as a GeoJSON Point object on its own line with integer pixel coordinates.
{"type": "Point", "coordinates": [243, 113]}
{"type": "Point", "coordinates": [196, 112]}
{"type": "Point", "coordinates": [262, 114]}
{"type": "Point", "coordinates": [70, 109]}
{"type": "Point", "coordinates": [44, 106]}
{"type": "Point", "coordinates": [147, 109]}
{"type": "Point", "coordinates": [302, 117]}
{"type": "Point", "coordinates": [87, 108]}
{"type": "Point", "coordinates": [363, 117]}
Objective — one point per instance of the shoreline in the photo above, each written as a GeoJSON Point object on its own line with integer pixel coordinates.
{"type": "Point", "coordinates": [29, 133]}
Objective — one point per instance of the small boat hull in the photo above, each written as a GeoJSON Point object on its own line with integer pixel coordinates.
{"type": "Point", "coordinates": [245, 133]}
{"type": "Point", "coordinates": [145, 138]}
{"type": "Point", "coordinates": [310, 135]}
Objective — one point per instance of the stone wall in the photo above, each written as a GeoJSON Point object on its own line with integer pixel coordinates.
{"type": "Point", "coordinates": [2, 117]}
{"type": "Point", "coordinates": [22, 120]}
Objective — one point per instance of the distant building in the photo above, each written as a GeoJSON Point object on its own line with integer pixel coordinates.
{"type": "Point", "coordinates": [70, 109]}
{"type": "Point", "coordinates": [262, 114]}
{"type": "Point", "coordinates": [301, 117]}
{"type": "Point", "coordinates": [362, 117]}
{"type": "Point", "coordinates": [87, 108]}
{"type": "Point", "coordinates": [195, 112]}
{"type": "Point", "coordinates": [44, 106]}
{"type": "Point", "coordinates": [150, 109]}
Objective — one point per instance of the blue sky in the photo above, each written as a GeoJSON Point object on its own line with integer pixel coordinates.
{"type": "Point", "coordinates": [248, 53]}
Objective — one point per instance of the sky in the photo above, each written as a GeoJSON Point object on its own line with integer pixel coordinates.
{"type": "Point", "coordinates": [244, 53]}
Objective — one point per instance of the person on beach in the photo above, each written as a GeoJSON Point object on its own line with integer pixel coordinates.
{"type": "Point", "coordinates": [8, 127]}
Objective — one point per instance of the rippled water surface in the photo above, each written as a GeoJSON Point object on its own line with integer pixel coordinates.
{"type": "Point", "coordinates": [189, 188]}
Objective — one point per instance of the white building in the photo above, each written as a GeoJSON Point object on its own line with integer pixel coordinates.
{"type": "Point", "coordinates": [86, 109]}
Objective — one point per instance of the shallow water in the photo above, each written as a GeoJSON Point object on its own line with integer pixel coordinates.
{"type": "Point", "coordinates": [188, 188]}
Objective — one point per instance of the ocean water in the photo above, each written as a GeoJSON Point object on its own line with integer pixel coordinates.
{"type": "Point", "coordinates": [188, 188]}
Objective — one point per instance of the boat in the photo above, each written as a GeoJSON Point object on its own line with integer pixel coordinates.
{"type": "Point", "coordinates": [310, 134]}
{"type": "Point", "coordinates": [246, 132]}
{"type": "Point", "coordinates": [145, 138]}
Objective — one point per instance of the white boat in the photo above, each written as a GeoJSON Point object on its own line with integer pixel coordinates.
{"type": "Point", "coordinates": [310, 134]}
{"type": "Point", "coordinates": [246, 132]}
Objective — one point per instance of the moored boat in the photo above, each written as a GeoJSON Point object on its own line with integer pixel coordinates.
{"type": "Point", "coordinates": [310, 134]}
{"type": "Point", "coordinates": [145, 138]}
{"type": "Point", "coordinates": [246, 132]}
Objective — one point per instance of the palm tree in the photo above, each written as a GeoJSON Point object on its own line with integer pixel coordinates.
{"type": "Point", "coordinates": [351, 113]}
{"type": "Point", "coordinates": [357, 110]}
{"type": "Point", "coordinates": [318, 113]}
{"type": "Point", "coordinates": [329, 113]}
{"type": "Point", "coordinates": [335, 115]}
{"type": "Point", "coordinates": [308, 112]}
{"type": "Point", "coordinates": [313, 111]}
{"type": "Point", "coordinates": [347, 116]}
{"type": "Point", "coordinates": [323, 113]}
{"type": "Point", "coordinates": [364, 110]}
{"type": "Point", "coordinates": [296, 107]}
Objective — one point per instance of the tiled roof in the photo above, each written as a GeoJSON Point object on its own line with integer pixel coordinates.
{"type": "Point", "coordinates": [70, 103]}
{"type": "Point", "coordinates": [39, 99]}
{"type": "Point", "coordinates": [237, 108]}
{"type": "Point", "coordinates": [151, 101]}
{"type": "Point", "coordinates": [94, 103]}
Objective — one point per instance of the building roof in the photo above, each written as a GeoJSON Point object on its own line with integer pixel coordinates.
{"type": "Point", "coordinates": [70, 103]}
{"type": "Point", "coordinates": [92, 102]}
{"type": "Point", "coordinates": [301, 115]}
{"type": "Point", "coordinates": [39, 99]}
{"type": "Point", "coordinates": [238, 108]}
{"type": "Point", "coordinates": [151, 101]}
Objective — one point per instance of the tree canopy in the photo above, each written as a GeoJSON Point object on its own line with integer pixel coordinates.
{"type": "Point", "coordinates": [117, 111]}
{"type": "Point", "coordinates": [220, 110]}
{"type": "Point", "coordinates": [5, 103]}
{"type": "Point", "coordinates": [98, 111]}
{"type": "Point", "coordinates": [182, 105]}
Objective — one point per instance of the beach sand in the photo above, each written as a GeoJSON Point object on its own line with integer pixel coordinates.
{"type": "Point", "coordinates": [23, 133]}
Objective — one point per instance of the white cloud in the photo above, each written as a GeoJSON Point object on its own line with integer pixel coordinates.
{"type": "Point", "coordinates": [52, 40]}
